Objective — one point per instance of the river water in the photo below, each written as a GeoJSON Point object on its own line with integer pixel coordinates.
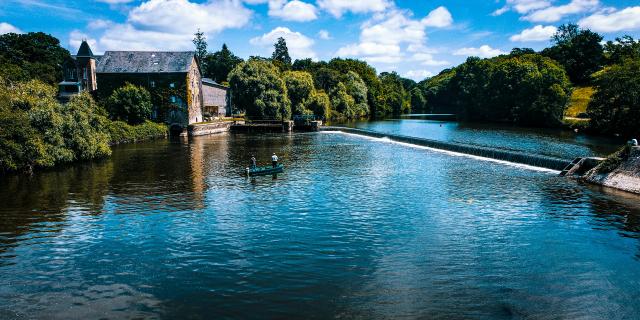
{"type": "Point", "coordinates": [559, 143]}
{"type": "Point", "coordinates": [354, 228]}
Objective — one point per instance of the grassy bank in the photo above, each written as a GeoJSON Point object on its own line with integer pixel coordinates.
{"type": "Point", "coordinates": [579, 101]}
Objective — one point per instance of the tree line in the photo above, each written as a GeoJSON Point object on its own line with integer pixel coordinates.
{"type": "Point", "coordinates": [526, 87]}
{"type": "Point", "coordinates": [278, 88]}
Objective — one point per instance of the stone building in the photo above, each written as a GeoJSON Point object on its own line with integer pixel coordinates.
{"type": "Point", "coordinates": [172, 78]}
{"type": "Point", "coordinates": [215, 99]}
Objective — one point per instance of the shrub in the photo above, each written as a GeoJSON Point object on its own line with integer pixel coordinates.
{"type": "Point", "coordinates": [130, 103]}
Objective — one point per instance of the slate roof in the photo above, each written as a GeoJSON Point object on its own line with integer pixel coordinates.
{"type": "Point", "coordinates": [145, 62]}
{"type": "Point", "coordinates": [84, 50]}
{"type": "Point", "coordinates": [211, 82]}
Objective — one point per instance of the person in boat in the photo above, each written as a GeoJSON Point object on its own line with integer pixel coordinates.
{"type": "Point", "coordinates": [253, 162]}
{"type": "Point", "coordinates": [274, 160]}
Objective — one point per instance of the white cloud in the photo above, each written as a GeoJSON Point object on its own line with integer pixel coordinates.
{"type": "Point", "coordinates": [484, 51]}
{"type": "Point", "coordinates": [292, 10]}
{"type": "Point", "coordinates": [556, 13]}
{"type": "Point", "coordinates": [99, 24]}
{"type": "Point", "coordinates": [537, 33]}
{"type": "Point", "coordinates": [383, 37]}
{"type": "Point", "coordinates": [427, 59]}
{"type": "Point", "coordinates": [75, 39]}
{"type": "Point", "coordinates": [167, 24]}
{"type": "Point", "coordinates": [624, 20]}
{"type": "Point", "coordinates": [115, 1]}
{"type": "Point", "coordinates": [7, 28]}
{"type": "Point", "coordinates": [522, 6]}
{"type": "Point", "coordinates": [418, 75]}
{"type": "Point", "coordinates": [324, 35]}
{"type": "Point", "coordinates": [183, 16]}
{"type": "Point", "coordinates": [339, 7]}
{"type": "Point", "coordinates": [440, 18]}
{"type": "Point", "coordinates": [300, 46]}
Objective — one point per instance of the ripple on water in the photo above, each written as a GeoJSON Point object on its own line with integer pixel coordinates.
{"type": "Point", "coordinates": [354, 228]}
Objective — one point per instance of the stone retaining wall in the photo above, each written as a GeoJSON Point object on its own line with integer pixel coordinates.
{"type": "Point", "coordinates": [208, 128]}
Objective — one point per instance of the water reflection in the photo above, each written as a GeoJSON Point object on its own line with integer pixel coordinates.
{"type": "Point", "coordinates": [354, 228]}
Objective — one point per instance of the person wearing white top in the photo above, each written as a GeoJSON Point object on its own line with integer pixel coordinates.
{"type": "Point", "coordinates": [274, 160]}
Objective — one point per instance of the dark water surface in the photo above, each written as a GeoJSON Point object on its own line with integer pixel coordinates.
{"type": "Point", "coordinates": [354, 228]}
{"type": "Point", "coordinates": [559, 143]}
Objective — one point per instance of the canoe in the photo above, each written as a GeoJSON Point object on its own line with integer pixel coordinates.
{"type": "Point", "coordinates": [262, 171]}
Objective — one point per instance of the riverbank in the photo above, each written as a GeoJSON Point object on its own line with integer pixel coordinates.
{"type": "Point", "coordinates": [620, 171]}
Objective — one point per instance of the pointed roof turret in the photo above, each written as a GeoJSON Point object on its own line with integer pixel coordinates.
{"type": "Point", "coordinates": [85, 50]}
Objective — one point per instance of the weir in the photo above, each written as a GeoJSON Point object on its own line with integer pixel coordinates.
{"type": "Point", "coordinates": [486, 152]}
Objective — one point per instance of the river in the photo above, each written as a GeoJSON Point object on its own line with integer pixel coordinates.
{"type": "Point", "coordinates": [354, 228]}
{"type": "Point", "coordinates": [554, 142]}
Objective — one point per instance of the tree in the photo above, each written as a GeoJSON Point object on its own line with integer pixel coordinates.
{"type": "Point", "coordinates": [578, 50]}
{"type": "Point", "coordinates": [394, 96]}
{"type": "Point", "coordinates": [528, 89]}
{"type": "Point", "coordinates": [369, 75]}
{"type": "Point", "coordinates": [200, 41]}
{"type": "Point", "coordinates": [258, 89]}
{"type": "Point", "coordinates": [439, 92]}
{"type": "Point", "coordinates": [615, 106]}
{"type": "Point", "coordinates": [521, 51]}
{"type": "Point", "coordinates": [357, 89]}
{"type": "Point", "coordinates": [341, 101]}
{"type": "Point", "coordinates": [622, 49]}
{"type": "Point", "coordinates": [38, 132]}
{"type": "Point", "coordinates": [220, 63]}
{"type": "Point", "coordinates": [320, 105]}
{"type": "Point", "coordinates": [33, 55]}
{"type": "Point", "coordinates": [300, 90]}
{"type": "Point", "coordinates": [418, 101]}
{"type": "Point", "coordinates": [130, 103]}
{"type": "Point", "coordinates": [280, 55]}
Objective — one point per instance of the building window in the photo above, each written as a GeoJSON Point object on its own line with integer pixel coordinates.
{"type": "Point", "coordinates": [172, 85]}
{"type": "Point", "coordinates": [84, 73]}
{"type": "Point", "coordinates": [152, 84]}
{"type": "Point", "coordinates": [173, 99]}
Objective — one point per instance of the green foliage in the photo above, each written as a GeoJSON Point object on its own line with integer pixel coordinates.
{"type": "Point", "coordinates": [200, 42]}
{"type": "Point", "coordinates": [615, 106]}
{"type": "Point", "coordinates": [38, 132]}
{"type": "Point", "coordinates": [121, 132]}
{"type": "Point", "coordinates": [439, 92]}
{"type": "Point", "coordinates": [357, 89]}
{"type": "Point", "coordinates": [579, 51]}
{"type": "Point", "coordinates": [320, 105]}
{"type": "Point", "coordinates": [33, 55]}
{"type": "Point", "coordinates": [280, 56]}
{"type": "Point", "coordinates": [130, 103]}
{"type": "Point", "coordinates": [418, 101]}
{"type": "Point", "coordinates": [299, 89]}
{"type": "Point", "coordinates": [258, 89]}
{"type": "Point", "coordinates": [218, 65]}
{"type": "Point", "coordinates": [614, 160]}
{"type": "Point", "coordinates": [528, 89]}
{"type": "Point", "coordinates": [370, 77]}
{"type": "Point", "coordinates": [394, 98]}
{"type": "Point", "coordinates": [341, 101]}
{"type": "Point", "coordinates": [579, 100]}
{"type": "Point", "coordinates": [623, 48]}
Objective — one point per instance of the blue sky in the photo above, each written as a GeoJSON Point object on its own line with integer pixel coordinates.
{"type": "Point", "coordinates": [415, 38]}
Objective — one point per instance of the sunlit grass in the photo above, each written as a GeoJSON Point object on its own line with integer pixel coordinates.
{"type": "Point", "coordinates": [579, 101]}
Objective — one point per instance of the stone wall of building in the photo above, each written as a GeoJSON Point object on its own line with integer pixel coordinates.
{"type": "Point", "coordinates": [194, 92]}
{"type": "Point", "coordinates": [215, 98]}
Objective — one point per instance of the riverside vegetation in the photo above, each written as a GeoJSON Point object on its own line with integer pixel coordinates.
{"type": "Point", "coordinates": [524, 88]}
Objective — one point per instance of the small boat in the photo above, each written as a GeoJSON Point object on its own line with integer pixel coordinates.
{"type": "Point", "coordinates": [263, 171]}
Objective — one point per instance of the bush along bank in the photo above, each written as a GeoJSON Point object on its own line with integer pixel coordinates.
{"type": "Point", "coordinates": [36, 131]}
{"type": "Point", "coordinates": [621, 170]}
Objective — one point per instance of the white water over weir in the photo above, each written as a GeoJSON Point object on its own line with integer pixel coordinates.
{"type": "Point", "coordinates": [486, 152]}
